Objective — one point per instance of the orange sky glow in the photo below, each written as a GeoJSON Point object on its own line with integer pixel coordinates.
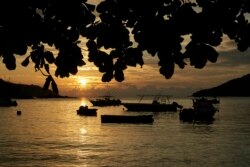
{"type": "Point", "coordinates": [140, 80]}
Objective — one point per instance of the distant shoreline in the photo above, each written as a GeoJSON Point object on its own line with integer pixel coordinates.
{"type": "Point", "coordinates": [23, 91]}
{"type": "Point", "coordinates": [238, 87]}
{"type": "Point", "coordinates": [61, 97]}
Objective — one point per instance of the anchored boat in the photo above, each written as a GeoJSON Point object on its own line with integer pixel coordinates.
{"type": "Point", "coordinates": [160, 103]}
{"type": "Point", "coordinates": [203, 110]}
{"type": "Point", "coordinates": [5, 102]}
{"type": "Point", "coordinates": [84, 110]}
{"type": "Point", "coordinates": [105, 101]}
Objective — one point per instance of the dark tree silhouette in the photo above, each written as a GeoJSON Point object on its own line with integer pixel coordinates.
{"type": "Point", "coordinates": [157, 27]}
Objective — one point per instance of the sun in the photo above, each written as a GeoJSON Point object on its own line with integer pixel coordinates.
{"type": "Point", "coordinates": [83, 81]}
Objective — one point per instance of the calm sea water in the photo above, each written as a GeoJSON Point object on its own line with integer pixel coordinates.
{"type": "Point", "coordinates": [50, 133]}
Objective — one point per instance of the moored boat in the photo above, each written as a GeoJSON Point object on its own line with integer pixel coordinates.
{"type": "Point", "coordinates": [213, 100]}
{"type": "Point", "coordinates": [84, 110]}
{"type": "Point", "coordinates": [6, 102]}
{"type": "Point", "coordinates": [105, 101]}
{"type": "Point", "coordinates": [137, 119]}
{"type": "Point", "coordinates": [159, 104]}
{"type": "Point", "coordinates": [203, 110]}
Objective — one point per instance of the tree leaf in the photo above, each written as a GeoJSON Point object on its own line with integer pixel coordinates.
{"type": "Point", "coordinates": [26, 61]}
{"type": "Point", "coordinates": [210, 53]}
{"type": "Point", "coordinates": [90, 6]}
{"type": "Point", "coordinates": [195, 51]}
{"type": "Point", "coordinates": [10, 61]}
{"type": "Point", "coordinates": [242, 46]}
{"type": "Point", "coordinates": [167, 70]}
{"type": "Point", "coordinates": [46, 66]}
{"type": "Point", "coordinates": [119, 75]}
{"type": "Point", "coordinates": [47, 83]}
{"type": "Point", "coordinates": [54, 86]}
{"type": "Point", "coordinates": [107, 77]}
{"type": "Point", "coordinates": [49, 57]}
{"type": "Point", "coordinates": [91, 45]}
{"type": "Point", "coordinates": [81, 63]}
{"type": "Point", "coordinates": [133, 56]}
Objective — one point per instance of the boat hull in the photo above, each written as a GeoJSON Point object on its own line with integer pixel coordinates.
{"type": "Point", "coordinates": [190, 115]}
{"type": "Point", "coordinates": [146, 107]}
{"type": "Point", "coordinates": [87, 112]}
{"type": "Point", "coordinates": [136, 119]}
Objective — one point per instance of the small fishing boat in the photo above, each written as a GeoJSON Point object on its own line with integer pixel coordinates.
{"type": "Point", "coordinates": [136, 119]}
{"type": "Point", "coordinates": [85, 111]}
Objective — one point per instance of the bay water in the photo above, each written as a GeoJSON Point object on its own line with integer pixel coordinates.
{"type": "Point", "coordinates": [50, 133]}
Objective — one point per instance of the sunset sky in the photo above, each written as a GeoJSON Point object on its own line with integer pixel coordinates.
{"type": "Point", "coordinates": [146, 80]}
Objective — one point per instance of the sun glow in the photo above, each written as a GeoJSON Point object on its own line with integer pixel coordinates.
{"type": "Point", "coordinates": [83, 81]}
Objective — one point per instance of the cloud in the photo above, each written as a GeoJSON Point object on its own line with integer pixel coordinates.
{"type": "Point", "coordinates": [226, 44]}
{"type": "Point", "coordinates": [234, 58]}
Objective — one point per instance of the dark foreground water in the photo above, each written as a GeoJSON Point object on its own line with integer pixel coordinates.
{"type": "Point", "coordinates": [50, 133]}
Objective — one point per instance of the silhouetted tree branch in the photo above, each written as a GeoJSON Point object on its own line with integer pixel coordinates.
{"type": "Point", "coordinates": [157, 27]}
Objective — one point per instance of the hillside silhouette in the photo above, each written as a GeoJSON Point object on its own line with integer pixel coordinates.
{"type": "Point", "coordinates": [21, 91]}
{"type": "Point", "coordinates": [234, 87]}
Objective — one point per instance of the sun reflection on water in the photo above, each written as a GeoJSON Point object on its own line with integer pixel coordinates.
{"type": "Point", "coordinates": [83, 131]}
{"type": "Point", "coordinates": [83, 103]}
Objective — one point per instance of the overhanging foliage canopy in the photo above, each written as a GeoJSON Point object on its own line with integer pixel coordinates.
{"type": "Point", "coordinates": [157, 27]}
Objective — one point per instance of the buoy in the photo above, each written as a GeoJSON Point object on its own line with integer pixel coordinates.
{"type": "Point", "coordinates": [18, 113]}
